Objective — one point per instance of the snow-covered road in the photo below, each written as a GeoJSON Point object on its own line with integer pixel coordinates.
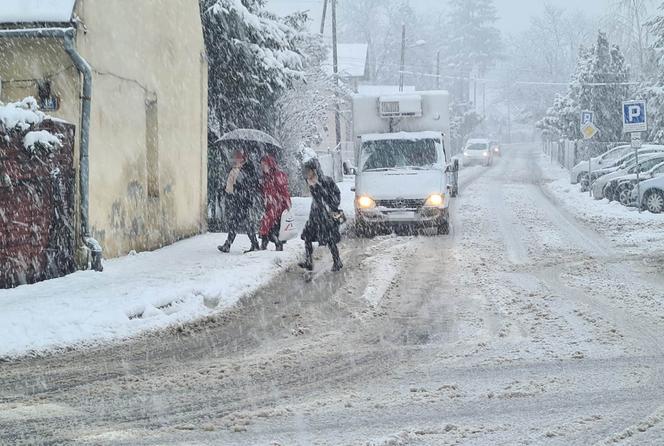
{"type": "Point", "coordinates": [524, 326]}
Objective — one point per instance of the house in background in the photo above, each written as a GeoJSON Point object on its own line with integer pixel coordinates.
{"type": "Point", "coordinates": [132, 76]}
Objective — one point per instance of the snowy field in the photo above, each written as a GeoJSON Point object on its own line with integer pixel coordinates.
{"type": "Point", "coordinates": [183, 282]}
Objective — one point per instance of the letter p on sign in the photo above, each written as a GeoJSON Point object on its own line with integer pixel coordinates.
{"type": "Point", "coordinates": [634, 117]}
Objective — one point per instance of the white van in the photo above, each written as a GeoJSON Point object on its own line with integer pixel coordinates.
{"type": "Point", "coordinates": [404, 176]}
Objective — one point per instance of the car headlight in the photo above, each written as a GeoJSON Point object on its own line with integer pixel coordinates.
{"type": "Point", "coordinates": [496, 149]}
{"type": "Point", "coordinates": [435, 200]}
{"type": "Point", "coordinates": [365, 202]}
{"type": "Point", "coordinates": [485, 153]}
{"type": "Point", "coordinates": [466, 153]}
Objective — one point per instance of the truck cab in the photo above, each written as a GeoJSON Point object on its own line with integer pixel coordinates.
{"type": "Point", "coordinates": [404, 175]}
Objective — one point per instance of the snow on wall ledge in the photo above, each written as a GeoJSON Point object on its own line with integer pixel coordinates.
{"type": "Point", "coordinates": [20, 115]}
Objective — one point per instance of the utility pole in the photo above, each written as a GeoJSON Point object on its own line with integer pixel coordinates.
{"type": "Point", "coordinates": [403, 56]}
{"type": "Point", "coordinates": [322, 22]}
{"type": "Point", "coordinates": [438, 70]}
{"type": "Point", "coordinates": [335, 68]}
{"type": "Point", "coordinates": [484, 98]}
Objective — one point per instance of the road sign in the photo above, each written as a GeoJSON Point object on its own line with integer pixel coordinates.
{"type": "Point", "coordinates": [634, 116]}
{"type": "Point", "coordinates": [589, 130]}
{"type": "Point", "coordinates": [636, 140]}
{"type": "Point", "coordinates": [587, 117]}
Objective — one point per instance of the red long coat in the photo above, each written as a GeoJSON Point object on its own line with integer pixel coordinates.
{"type": "Point", "coordinates": [275, 194]}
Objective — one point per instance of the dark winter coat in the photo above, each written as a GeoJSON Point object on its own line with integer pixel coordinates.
{"type": "Point", "coordinates": [325, 199]}
{"type": "Point", "coordinates": [275, 196]}
{"type": "Point", "coordinates": [240, 210]}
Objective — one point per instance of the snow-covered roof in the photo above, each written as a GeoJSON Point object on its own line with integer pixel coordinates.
{"type": "Point", "coordinates": [352, 59]}
{"type": "Point", "coordinates": [378, 90]}
{"type": "Point", "coordinates": [36, 11]}
{"type": "Point", "coordinates": [408, 136]}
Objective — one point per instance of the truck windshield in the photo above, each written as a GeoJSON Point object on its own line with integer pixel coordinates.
{"type": "Point", "coordinates": [399, 154]}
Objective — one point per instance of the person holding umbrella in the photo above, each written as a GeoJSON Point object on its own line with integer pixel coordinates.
{"type": "Point", "coordinates": [240, 190]}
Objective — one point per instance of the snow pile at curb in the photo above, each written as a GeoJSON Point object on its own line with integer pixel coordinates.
{"type": "Point", "coordinates": [626, 226]}
{"type": "Point", "coordinates": [138, 293]}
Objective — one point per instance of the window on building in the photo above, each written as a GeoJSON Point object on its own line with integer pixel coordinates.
{"type": "Point", "coordinates": [45, 98]}
{"type": "Point", "coordinates": [152, 146]}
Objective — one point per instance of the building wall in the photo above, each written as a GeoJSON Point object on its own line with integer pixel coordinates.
{"type": "Point", "coordinates": [148, 142]}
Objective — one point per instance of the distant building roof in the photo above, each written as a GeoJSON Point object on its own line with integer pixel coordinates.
{"type": "Point", "coordinates": [373, 90]}
{"type": "Point", "coordinates": [352, 59]}
{"type": "Point", "coordinates": [36, 11]}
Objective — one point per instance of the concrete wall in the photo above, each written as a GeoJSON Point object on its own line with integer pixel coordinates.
{"type": "Point", "coordinates": [149, 90]}
{"type": "Point", "coordinates": [147, 57]}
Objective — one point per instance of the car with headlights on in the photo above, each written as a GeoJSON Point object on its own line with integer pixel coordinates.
{"type": "Point", "coordinates": [477, 151]}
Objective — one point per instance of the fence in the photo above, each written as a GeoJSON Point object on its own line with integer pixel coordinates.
{"type": "Point", "coordinates": [37, 217]}
{"type": "Point", "coordinates": [569, 153]}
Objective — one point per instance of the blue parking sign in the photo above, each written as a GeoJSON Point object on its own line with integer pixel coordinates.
{"type": "Point", "coordinates": [587, 117]}
{"type": "Point", "coordinates": [635, 117]}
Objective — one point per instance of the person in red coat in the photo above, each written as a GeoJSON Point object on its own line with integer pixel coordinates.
{"type": "Point", "coordinates": [276, 198]}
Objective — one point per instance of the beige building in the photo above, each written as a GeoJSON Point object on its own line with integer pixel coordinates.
{"type": "Point", "coordinates": [147, 108]}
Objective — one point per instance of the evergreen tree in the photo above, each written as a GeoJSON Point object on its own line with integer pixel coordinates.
{"type": "Point", "coordinates": [599, 85]}
{"type": "Point", "coordinates": [473, 41]}
{"type": "Point", "coordinates": [653, 90]}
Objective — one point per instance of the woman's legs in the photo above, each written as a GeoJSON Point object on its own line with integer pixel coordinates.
{"type": "Point", "coordinates": [274, 236]}
{"type": "Point", "coordinates": [336, 258]}
{"type": "Point", "coordinates": [308, 256]}
{"type": "Point", "coordinates": [226, 247]}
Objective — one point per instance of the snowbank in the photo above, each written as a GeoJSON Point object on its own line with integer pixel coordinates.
{"type": "Point", "coordinates": [627, 227]}
{"type": "Point", "coordinates": [142, 292]}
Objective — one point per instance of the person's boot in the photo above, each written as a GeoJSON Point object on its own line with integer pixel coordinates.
{"type": "Point", "coordinates": [264, 243]}
{"type": "Point", "coordinates": [225, 248]}
{"type": "Point", "coordinates": [254, 247]}
{"type": "Point", "coordinates": [308, 262]}
{"type": "Point", "coordinates": [279, 247]}
{"type": "Point", "coordinates": [337, 265]}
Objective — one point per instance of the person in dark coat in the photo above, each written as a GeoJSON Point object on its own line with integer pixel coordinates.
{"type": "Point", "coordinates": [321, 227]}
{"type": "Point", "coordinates": [240, 191]}
{"type": "Point", "coordinates": [276, 199]}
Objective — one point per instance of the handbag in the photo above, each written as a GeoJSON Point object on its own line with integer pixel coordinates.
{"type": "Point", "coordinates": [287, 229]}
{"type": "Point", "coordinates": [339, 217]}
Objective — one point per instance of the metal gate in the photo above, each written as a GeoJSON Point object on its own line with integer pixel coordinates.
{"type": "Point", "coordinates": [37, 222]}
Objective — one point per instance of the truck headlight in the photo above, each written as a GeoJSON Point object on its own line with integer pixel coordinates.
{"type": "Point", "coordinates": [466, 153]}
{"type": "Point", "coordinates": [365, 202]}
{"type": "Point", "coordinates": [435, 200]}
{"type": "Point", "coordinates": [485, 153]}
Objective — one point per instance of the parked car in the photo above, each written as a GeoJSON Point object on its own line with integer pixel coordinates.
{"type": "Point", "coordinates": [579, 172]}
{"type": "Point", "coordinates": [628, 167]}
{"type": "Point", "coordinates": [648, 169]}
{"type": "Point", "coordinates": [623, 163]}
{"type": "Point", "coordinates": [650, 195]}
{"type": "Point", "coordinates": [477, 151]}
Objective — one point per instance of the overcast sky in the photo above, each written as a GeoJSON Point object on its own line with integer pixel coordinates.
{"type": "Point", "coordinates": [514, 14]}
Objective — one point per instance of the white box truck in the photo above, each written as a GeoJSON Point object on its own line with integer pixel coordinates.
{"type": "Point", "coordinates": [405, 175]}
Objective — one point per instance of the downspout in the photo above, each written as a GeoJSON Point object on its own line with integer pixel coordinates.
{"type": "Point", "coordinates": [68, 35]}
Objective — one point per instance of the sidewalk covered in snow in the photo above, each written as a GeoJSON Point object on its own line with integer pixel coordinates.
{"type": "Point", "coordinates": [142, 292]}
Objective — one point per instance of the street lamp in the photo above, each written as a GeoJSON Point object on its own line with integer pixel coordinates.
{"type": "Point", "coordinates": [403, 53]}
